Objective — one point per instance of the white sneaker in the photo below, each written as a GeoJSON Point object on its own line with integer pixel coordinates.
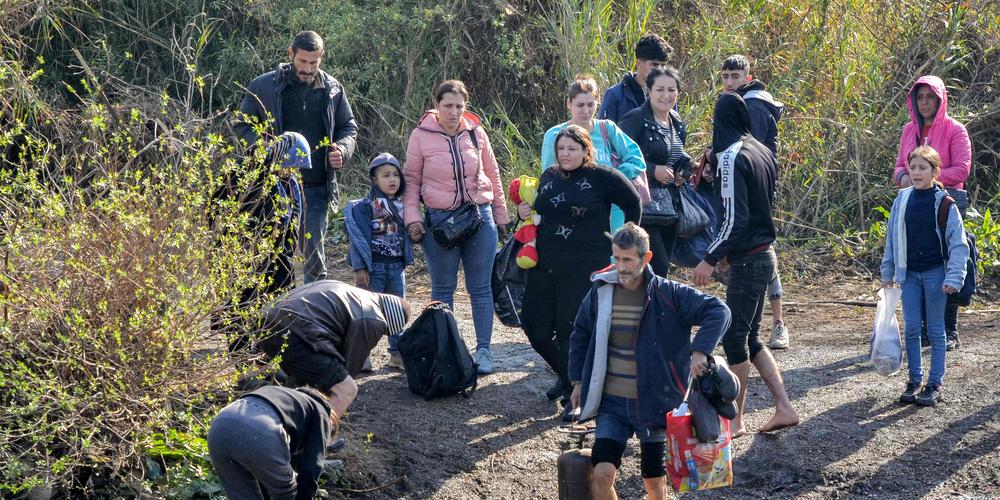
{"type": "Point", "coordinates": [395, 361]}
{"type": "Point", "coordinates": [779, 337]}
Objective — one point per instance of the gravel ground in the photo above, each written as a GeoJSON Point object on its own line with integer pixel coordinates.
{"type": "Point", "coordinates": [854, 439]}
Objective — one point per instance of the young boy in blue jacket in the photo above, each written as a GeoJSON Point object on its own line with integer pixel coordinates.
{"type": "Point", "coordinates": [380, 247]}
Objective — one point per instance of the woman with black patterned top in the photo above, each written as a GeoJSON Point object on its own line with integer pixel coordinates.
{"type": "Point", "coordinates": [574, 200]}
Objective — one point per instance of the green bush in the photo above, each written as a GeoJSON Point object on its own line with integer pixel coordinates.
{"type": "Point", "coordinates": [117, 253]}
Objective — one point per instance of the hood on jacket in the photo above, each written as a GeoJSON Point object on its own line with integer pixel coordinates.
{"type": "Point", "coordinates": [731, 121]}
{"type": "Point", "coordinates": [386, 159]}
{"type": "Point", "coordinates": [936, 85]}
{"type": "Point", "coordinates": [756, 90]}
{"type": "Point", "coordinates": [609, 275]}
{"type": "Point", "coordinates": [629, 82]}
{"type": "Point", "coordinates": [429, 121]}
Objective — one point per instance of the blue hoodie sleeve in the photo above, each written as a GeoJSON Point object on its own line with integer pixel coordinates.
{"type": "Point", "coordinates": [708, 311]}
{"type": "Point", "coordinates": [358, 248]}
{"type": "Point", "coordinates": [548, 148]}
{"type": "Point", "coordinates": [888, 267]}
{"type": "Point", "coordinates": [633, 163]}
{"type": "Point", "coordinates": [579, 339]}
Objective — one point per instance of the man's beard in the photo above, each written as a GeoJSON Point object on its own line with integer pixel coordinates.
{"type": "Point", "coordinates": [305, 77]}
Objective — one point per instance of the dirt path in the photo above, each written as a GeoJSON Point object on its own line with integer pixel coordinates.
{"type": "Point", "coordinates": [854, 440]}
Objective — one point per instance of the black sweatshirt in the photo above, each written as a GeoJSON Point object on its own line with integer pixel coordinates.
{"type": "Point", "coordinates": [576, 209]}
{"type": "Point", "coordinates": [745, 182]}
{"type": "Point", "coordinates": [305, 415]}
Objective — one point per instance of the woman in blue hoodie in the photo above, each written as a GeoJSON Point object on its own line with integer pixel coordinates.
{"type": "Point", "coordinates": [380, 246]}
{"type": "Point", "coordinates": [928, 263]}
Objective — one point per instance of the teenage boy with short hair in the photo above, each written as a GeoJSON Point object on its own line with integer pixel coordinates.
{"type": "Point", "coordinates": [651, 50]}
{"type": "Point", "coordinates": [765, 111]}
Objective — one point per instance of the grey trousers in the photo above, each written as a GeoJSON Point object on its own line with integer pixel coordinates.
{"type": "Point", "coordinates": [249, 449]}
{"type": "Point", "coordinates": [317, 200]}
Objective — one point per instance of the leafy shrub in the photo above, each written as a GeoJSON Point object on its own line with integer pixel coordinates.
{"type": "Point", "coordinates": [117, 254]}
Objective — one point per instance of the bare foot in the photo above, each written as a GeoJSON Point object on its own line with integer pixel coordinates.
{"type": "Point", "coordinates": [737, 429]}
{"type": "Point", "coordinates": [781, 420]}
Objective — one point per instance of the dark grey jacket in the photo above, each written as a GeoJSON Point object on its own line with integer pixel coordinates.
{"type": "Point", "coordinates": [333, 318]}
{"type": "Point", "coordinates": [263, 97]}
{"type": "Point", "coordinates": [765, 111]}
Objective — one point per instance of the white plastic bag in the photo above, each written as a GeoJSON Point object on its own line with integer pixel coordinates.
{"type": "Point", "coordinates": [886, 346]}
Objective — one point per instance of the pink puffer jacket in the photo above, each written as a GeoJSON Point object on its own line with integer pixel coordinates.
{"type": "Point", "coordinates": [435, 159]}
{"type": "Point", "coordinates": [948, 137]}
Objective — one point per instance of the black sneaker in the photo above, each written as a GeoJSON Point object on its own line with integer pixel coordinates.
{"type": "Point", "coordinates": [555, 391]}
{"type": "Point", "coordinates": [952, 342]}
{"type": "Point", "coordinates": [909, 396]}
{"type": "Point", "coordinates": [929, 396]}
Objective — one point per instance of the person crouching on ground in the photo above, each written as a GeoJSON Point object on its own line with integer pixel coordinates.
{"type": "Point", "coordinates": [273, 439]}
{"type": "Point", "coordinates": [325, 330]}
{"type": "Point", "coordinates": [632, 311]}
{"type": "Point", "coordinates": [915, 259]}
{"type": "Point", "coordinates": [381, 247]}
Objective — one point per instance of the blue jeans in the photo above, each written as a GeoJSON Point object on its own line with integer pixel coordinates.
{"type": "Point", "coordinates": [317, 200]}
{"type": "Point", "coordinates": [618, 419]}
{"type": "Point", "coordinates": [922, 292]}
{"type": "Point", "coordinates": [476, 255]}
{"type": "Point", "coordinates": [388, 277]}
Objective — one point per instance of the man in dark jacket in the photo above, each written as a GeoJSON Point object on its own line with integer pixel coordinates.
{"type": "Point", "coordinates": [300, 97]}
{"type": "Point", "coordinates": [745, 180]}
{"type": "Point", "coordinates": [651, 50]}
{"type": "Point", "coordinates": [272, 439]}
{"type": "Point", "coordinates": [630, 354]}
{"type": "Point", "coordinates": [325, 330]}
{"type": "Point", "coordinates": [765, 111]}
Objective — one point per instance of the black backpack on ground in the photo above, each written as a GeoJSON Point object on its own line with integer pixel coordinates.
{"type": "Point", "coordinates": [436, 358]}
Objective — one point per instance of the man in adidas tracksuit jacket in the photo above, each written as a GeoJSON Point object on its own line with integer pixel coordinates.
{"type": "Point", "coordinates": [745, 180]}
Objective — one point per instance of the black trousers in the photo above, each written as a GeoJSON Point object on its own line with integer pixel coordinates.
{"type": "Point", "coordinates": [661, 243]}
{"type": "Point", "coordinates": [552, 297]}
{"type": "Point", "coordinates": [745, 296]}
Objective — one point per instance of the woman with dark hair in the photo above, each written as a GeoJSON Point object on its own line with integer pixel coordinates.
{"type": "Point", "coordinates": [612, 147]}
{"type": "Point", "coordinates": [660, 133]}
{"type": "Point", "coordinates": [574, 201]}
{"type": "Point", "coordinates": [451, 170]}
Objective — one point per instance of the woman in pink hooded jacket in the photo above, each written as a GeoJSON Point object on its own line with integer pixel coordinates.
{"type": "Point", "coordinates": [931, 126]}
{"type": "Point", "coordinates": [449, 163]}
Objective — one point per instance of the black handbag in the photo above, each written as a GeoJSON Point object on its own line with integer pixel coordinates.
{"type": "Point", "coordinates": [462, 222]}
{"type": "Point", "coordinates": [458, 226]}
{"type": "Point", "coordinates": [660, 210]}
{"type": "Point", "coordinates": [693, 219]}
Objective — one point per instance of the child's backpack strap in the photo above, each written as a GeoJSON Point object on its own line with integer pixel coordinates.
{"type": "Point", "coordinates": [942, 222]}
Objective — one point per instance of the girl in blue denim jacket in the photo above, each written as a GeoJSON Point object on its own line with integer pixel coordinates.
{"type": "Point", "coordinates": [928, 263]}
{"type": "Point", "coordinates": [380, 247]}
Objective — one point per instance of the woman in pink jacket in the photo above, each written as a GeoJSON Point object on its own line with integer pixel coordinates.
{"type": "Point", "coordinates": [450, 163]}
{"type": "Point", "coordinates": [931, 126]}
